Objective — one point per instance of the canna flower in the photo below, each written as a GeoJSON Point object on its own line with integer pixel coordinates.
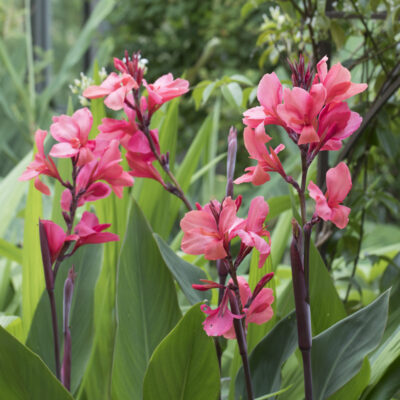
{"type": "Point", "coordinates": [269, 94]}
{"type": "Point", "coordinates": [115, 88]}
{"type": "Point", "coordinates": [335, 123]}
{"type": "Point", "coordinates": [328, 207]}
{"type": "Point", "coordinates": [142, 167]}
{"type": "Point", "coordinates": [300, 110]}
{"type": "Point", "coordinates": [56, 238]}
{"type": "Point", "coordinates": [89, 231]}
{"type": "Point", "coordinates": [72, 134]}
{"type": "Point", "coordinates": [255, 145]}
{"type": "Point", "coordinates": [107, 168]}
{"type": "Point", "coordinates": [165, 89]}
{"type": "Point", "coordinates": [41, 165]}
{"type": "Point", "coordinates": [252, 229]}
{"type": "Point", "coordinates": [337, 82]}
{"type": "Point", "coordinates": [209, 230]}
{"type": "Point", "coordinates": [256, 308]}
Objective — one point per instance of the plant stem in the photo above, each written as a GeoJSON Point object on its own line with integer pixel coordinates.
{"type": "Point", "coordinates": [302, 304]}
{"type": "Point", "coordinates": [144, 126]}
{"type": "Point", "coordinates": [242, 343]}
{"type": "Point", "coordinates": [55, 330]}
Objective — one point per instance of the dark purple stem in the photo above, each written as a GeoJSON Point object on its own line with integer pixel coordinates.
{"type": "Point", "coordinates": [55, 330]}
{"type": "Point", "coordinates": [144, 123]}
{"type": "Point", "coordinates": [302, 304]}
{"type": "Point", "coordinates": [68, 293]}
{"type": "Point", "coordinates": [241, 340]}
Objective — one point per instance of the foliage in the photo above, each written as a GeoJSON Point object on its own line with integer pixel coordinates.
{"type": "Point", "coordinates": [133, 303]}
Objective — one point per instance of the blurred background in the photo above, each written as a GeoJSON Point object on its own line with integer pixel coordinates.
{"type": "Point", "coordinates": [48, 50]}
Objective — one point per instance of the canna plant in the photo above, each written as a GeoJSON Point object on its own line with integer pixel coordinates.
{"type": "Point", "coordinates": [156, 353]}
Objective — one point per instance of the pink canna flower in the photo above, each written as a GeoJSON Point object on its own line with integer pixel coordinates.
{"type": "Point", "coordinates": [337, 82]}
{"type": "Point", "coordinates": [56, 238]}
{"type": "Point", "coordinates": [256, 309]}
{"type": "Point", "coordinates": [115, 88]}
{"type": "Point", "coordinates": [72, 134]}
{"type": "Point", "coordinates": [208, 230]}
{"type": "Point", "coordinates": [328, 207]}
{"type": "Point", "coordinates": [41, 165]}
{"type": "Point", "coordinates": [335, 123]}
{"type": "Point", "coordinates": [89, 231]}
{"type": "Point", "coordinates": [259, 311]}
{"type": "Point", "coordinates": [142, 167]}
{"type": "Point", "coordinates": [164, 89]}
{"type": "Point", "coordinates": [107, 168]}
{"type": "Point", "coordinates": [252, 229]}
{"type": "Point", "coordinates": [269, 94]}
{"type": "Point", "coordinates": [255, 145]}
{"type": "Point", "coordinates": [300, 110]}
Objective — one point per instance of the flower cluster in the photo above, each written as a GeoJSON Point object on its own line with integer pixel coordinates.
{"type": "Point", "coordinates": [210, 229]}
{"type": "Point", "coordinates": [123, 92]}
{"type": "Point", "coordinates": [96, 171]}
{"type": "Point", "coordinates": [256, 308]}
{"type": "Point", "coordinates": [315, 116]}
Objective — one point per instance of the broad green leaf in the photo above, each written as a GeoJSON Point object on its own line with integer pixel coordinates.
{"type": "Point", "coordinates": [96, 105]}
{"type": "Point", "coordinates": [280, 237]}
{"type": "Point", "coordinates": [185, 273]}
{"type": "Point", "coordinates": [278, 205]}
{"type": "Point", "coordinates": [338, 34]}
{"type": "Point", "coordinates": [354, 387]}
{"type": "Point", "coordinates": [115, 211]}
{"type": "Point", "coordinates": [388, 385]}
{"type": "Point", "coordinates": [257, 332]}
{"type": "Point", "coordinates": [268, 357]}
{"type": "Point", "coordinates": [326, 306]}
{"type": "Point", "coordinates": [10, 251]}
{"type": "Point", "coordinates": [12, 324]}
{"type": "Point", "coordinates": [11, 193]}
{"type": "Point", "coordinates": [268, 396]}
{"type": "Point", "coordinates": [338, 353]}
{"type": "Point", "coordinates": [147, 306]}
{"type": "Point", "coordinates": [385, 355]}
{"type": "Point", "coordinates": [292, 374]}
{"type": "Point", "coordinates": [32, 266]}
{"type": "Point", "coordinates": [23, 375]}
{"type": "Point", "coordinates": [233, 94]}
{"type": "Point", "coordinates": [184, 365]}
{"type": "Point", "coordinates": [87, 263]}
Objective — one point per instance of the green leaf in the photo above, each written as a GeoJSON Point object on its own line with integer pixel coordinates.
{"type": "Point", "coordinates": [326, 306]}
{"type": "Point", "coordinates": [268, 357]}
{"type": "Point", "coordinates": [147, 306]}
{"type": "Point", "coordinates": [257, 332]}
{"type": "Point", "coordinates": [11, 193]}
{"type": "Point", "coordinates": [385, 355]}
{"type": "Point", "coordinates": [338, 353]}
{"type": "Point", "coordinates": [354, 387]}
{"type": "Point", "coordinates": [388, 385]}
{"type": "Point", "coordinates": [12, 324]}
{"type": "Point", "coordinates": [23, 375]}
{"type": "Point", "coordinates": [10, 251]}
{"type": "Point", "coordinates": [280, 237]}
{"type": "Point", "coordinates": [184, 365]}
{"type": "Point", "coordinates": [96, 105]}
{"type": "Point", "coordinates": [87, 264]}
{"type": "Point", "coordinates": [115, 211]}
{"type": "Point", "coordinates": [233, 94]}
{"type": "Point", "coordinates": [338, 34]}
{"type": "Point", "coordinates": [185, 273]}
{"type": "Point", "coordinates": [32, 267]}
